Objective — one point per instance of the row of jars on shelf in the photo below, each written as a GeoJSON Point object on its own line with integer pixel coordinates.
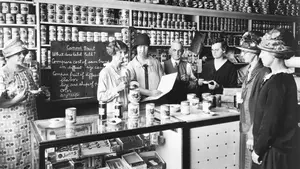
{"type": "Point", "coordinates": [27, 35]}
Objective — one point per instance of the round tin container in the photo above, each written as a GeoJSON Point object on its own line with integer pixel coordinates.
{"type": "Point", "coordinates": [30, 19]}
{"type": "Point", "coordinates": [60, 18]}
{"type": "Point", "coordinates": [165, 111]}
{"type": "Point", "coordinates": [5, 7]}
{"type": "Point", "coordinates": [76, 10]}
{"type": "Point", "coordinates": [2, 18]}
{"type": "Point", "coordinates": [51, 18]}
{"type": "Point", "coordinates": [91, 19]}
{"type": "Point", "coordinates": [70, 115]}
{"type": "Point", "coordinates": [102, 111]}
{"type": "Point", "coordinates": [133, 110]}
{"type": "Point", "coordinates": [68, 18]}
{"type": "Point", "coordinates": [82, 36]}
{"type": "Point", "coordinates": [68, 9]}
{"type": "Point", "coordinates": [60, 9]}
{"type": "Point", "coordinates": [76, 19]}
{"type": "Point", "coordinates": [185, 107]}
{"type": "Point", "coordinates": [150, 110]}
{"type": "Point", "coordinates": [51, 8]}
{"type": "Point", "coordinates": [99, 19]}
{"type": "Point", "coordinates": [70, 130]}
{"type": "Point", "coordinates": [14, 8]}
{"type": "Point", "coordinates": [20, 19]}
{"type": "Point", "coordinates": [10, 18]}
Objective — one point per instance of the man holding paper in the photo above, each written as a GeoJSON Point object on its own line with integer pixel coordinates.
{"type": "Point", "coordinates": [185, 82]}
{"type": "Point", "coordinates": [146, 70]}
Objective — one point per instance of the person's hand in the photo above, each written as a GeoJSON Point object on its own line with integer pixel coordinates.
{"type": "Point", "coordinates": [21, 96]}
{"type": "Point", "coordinates": [155, 92]}
{"type": "Point", "coordinates": [249, 144]}
{"type": "Point", "coordinates": [184, 77]}
{"type": "Point", "coordinates": [255, 158]}
{"type": "Point", "coordinates": [121, 86]}
{"type": "Point", "coordinates": [200, 82]}
{"type": "Point", "coordinates": [212, 85]}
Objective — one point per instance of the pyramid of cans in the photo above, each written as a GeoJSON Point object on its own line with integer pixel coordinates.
{"type": "Point", "coordinates": [59, 13]}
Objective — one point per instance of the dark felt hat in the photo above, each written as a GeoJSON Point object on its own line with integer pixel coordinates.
{"type": "Point", "coordinates": [142, 39]}
{"type": "Point", "coordinates": [249, 41]}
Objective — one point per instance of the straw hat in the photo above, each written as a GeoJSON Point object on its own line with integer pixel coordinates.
{"type": "Point", "coordinates": [250, 40]}
{"type": "Point", "coordinates": [278, 41]}
{"type": "Point", "coordinates": [13, 46]}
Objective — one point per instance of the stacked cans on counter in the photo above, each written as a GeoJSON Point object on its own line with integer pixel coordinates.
{"type": "Point", "coordinates": [223, 24]}
{"type": "Point", "coordinates": [161, 20]}
{"type": "Point", "coordinates": [27, 35]}
{"type": "Point", "coordinates": [159, 37]}
{"type": "Point", "coordinates": [59, 13]}
{"type": "Point", "coordinates": [16, 13]}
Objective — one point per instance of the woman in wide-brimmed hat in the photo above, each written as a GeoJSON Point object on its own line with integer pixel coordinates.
{"type": "Point", "coordinates": [275, 120]}
{"type": "Point", "coordinates": [17, 107]}
{"type": "Point", "coordinates": [250, 89]}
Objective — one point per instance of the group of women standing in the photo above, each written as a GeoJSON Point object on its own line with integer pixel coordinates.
{"type": "Point", "coordinates": [268, 123]}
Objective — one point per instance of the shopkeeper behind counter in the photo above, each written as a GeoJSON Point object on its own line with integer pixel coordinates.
{"type": "Point", "coordinates": [220, 72]}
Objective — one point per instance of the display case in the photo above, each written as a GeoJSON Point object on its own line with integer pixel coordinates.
{"type": "Point", "coordinates": [59, 145]}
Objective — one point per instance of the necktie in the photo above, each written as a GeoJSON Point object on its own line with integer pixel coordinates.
{"type": "Point", "coordinates": [177, 68]}
{"type": "Point", "coordinates": [145, 66]}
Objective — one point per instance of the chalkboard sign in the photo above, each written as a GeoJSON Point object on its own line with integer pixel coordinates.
{"type": "Point", "coordinates": [75, 68]}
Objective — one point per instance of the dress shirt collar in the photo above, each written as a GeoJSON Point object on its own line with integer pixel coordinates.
{"type": "Point", "coordinates": [174, 62]}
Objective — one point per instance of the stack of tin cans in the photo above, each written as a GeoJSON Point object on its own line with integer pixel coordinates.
{"type": "Point", "coordinates": [231, 39]}
{"type": "Point", "coordinates": [27, 35]}
{"type": "Point", "coordinates": [265, 26]}
{"type": "Point", "coordinates": [161, 20]}
{"type": "Point", "coordinates": [83, 15]}
{"type": "Point", "coordinates": [223, 24]}
{"type": "Point", "coordinates": [16, 13]}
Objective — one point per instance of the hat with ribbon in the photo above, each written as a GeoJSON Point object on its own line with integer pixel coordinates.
{"type": "Point", "coordinates": [12, 47]}
{"type": "Point", "coordinates": [250, 40]}
{"type": "Point", "coordinates": [277, 41]}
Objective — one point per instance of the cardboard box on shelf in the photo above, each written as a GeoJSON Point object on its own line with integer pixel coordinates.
{"type": "Point", "coordinates": [153, 160]}
{"type": "Point", "coordinates": [130, 142]}
{"type": "Point", "coordinates": [95, 147]}
{"type": "Point", "coordinates": [134, 161]}
{"type": "Point", "coordinates": [67, 152]}
{"type": "Point", "coordinates": [116, 163]}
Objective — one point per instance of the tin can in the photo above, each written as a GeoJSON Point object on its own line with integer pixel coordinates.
{"type": "Point", "coordinates": [60, 18]}
{"type": "Point", "coordinates": [51, 18]}
{"type": "Point", "coordinates": [89, 36]}
{"type": "Point", "coordinates": [20, 19]}
{"type": "Point", "coordinates": [91, 11]}
{"type": "Point", "coordinates": [76, 10]}
{"type": "Point", "coordinates": [99, 11]}
{"type": "Point", "coordinates": [76, 19]}
{"type": "Point", "coordinates": [83, 19]}
{"type": "Point", "coordinates": [30, 19]}
{"type": "Point", "coordinates": [15, 33]}
{"type": "Point", "coordinates": [102, 111]}
{"type": "Point", "coordinates": [150, 110]}
{"type": "Point", "coordinates": [118, 36]}
{"type": "Point", "coordinates": [99, 19]}
{"type": "Point", "coordinates": [154, 136]}
{"type": "Point", "coordinates": [185, 107]}
{"type": "Point", "coordinates": [51, 8]}
{"type": "Point", "coordinates": [70, 115]}
{"type": "Point", "coordinates": [91, 20]}
{"type": "Point", "coordinates": [14, 8]}
{"type": "Point", "coordinates": [10, 18]}
{"type": "Point", "coordinates": [132, 123]}
{"type": "Point", "coordinates": [82, 36]}
{"type": "Point", "coordinates": [206, 105]}
{"type": "Point", "coordinates": [68, 9]}
{"type": "Point", "coordinates": [60, 9]}
{"type": "Point", "coordinates": [104, 36]}
{"type": "Point", "coordinates": [133, 110]}
{"type": "Point", "coordinates": [165, 111]}
{"type": "Point", "coordinates": [5, 7]}
{"type": "Point", "coordinates": [2, 18]}
{"type": "Point", "coordinates": [97, 36]}
{"type": "Point", "coordinates": [24, 9]}
{"type": "Point", "coordinates": [60, 30]}
{"type": "Point", "coordinates": [68, 18]}
{"type": "Point", "coordinates": [194, 103]}
{"type": "Point", "coordinates": [118, 110]}
{"type": "Point", "coordinates": [70, 130]}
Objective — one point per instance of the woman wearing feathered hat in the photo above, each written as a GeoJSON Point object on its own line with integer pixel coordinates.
{"type": "Point", "coordinates": [250, 89]}
{"type": "Point", "coordinates": [275, 120]}
{"type": "Point", "coordinates": [17, 107]}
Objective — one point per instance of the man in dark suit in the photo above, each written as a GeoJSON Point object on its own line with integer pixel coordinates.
{"type": "Point", "coordinates": [186, 82]}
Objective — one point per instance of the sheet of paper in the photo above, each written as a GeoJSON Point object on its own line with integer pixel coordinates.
{"type": "Point", "coordinates": [165, 86]}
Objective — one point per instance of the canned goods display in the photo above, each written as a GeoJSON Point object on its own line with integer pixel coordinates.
{"type": "Point", "coordinates": [150, 109]}
{"type": "Point", "coordinates": [102, 110]}
{"type": "Point", "coordinates": [165, 111]}
{"type": "Point", "coordinates": [185, 107]}
{"type": "Point", "coordinates": [118, 110]}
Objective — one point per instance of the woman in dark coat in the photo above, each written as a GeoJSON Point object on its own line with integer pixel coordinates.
{"type": "Point", "coordinates": [250, 89]}
{"type": "Point", "coordinates": [275, 118]}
